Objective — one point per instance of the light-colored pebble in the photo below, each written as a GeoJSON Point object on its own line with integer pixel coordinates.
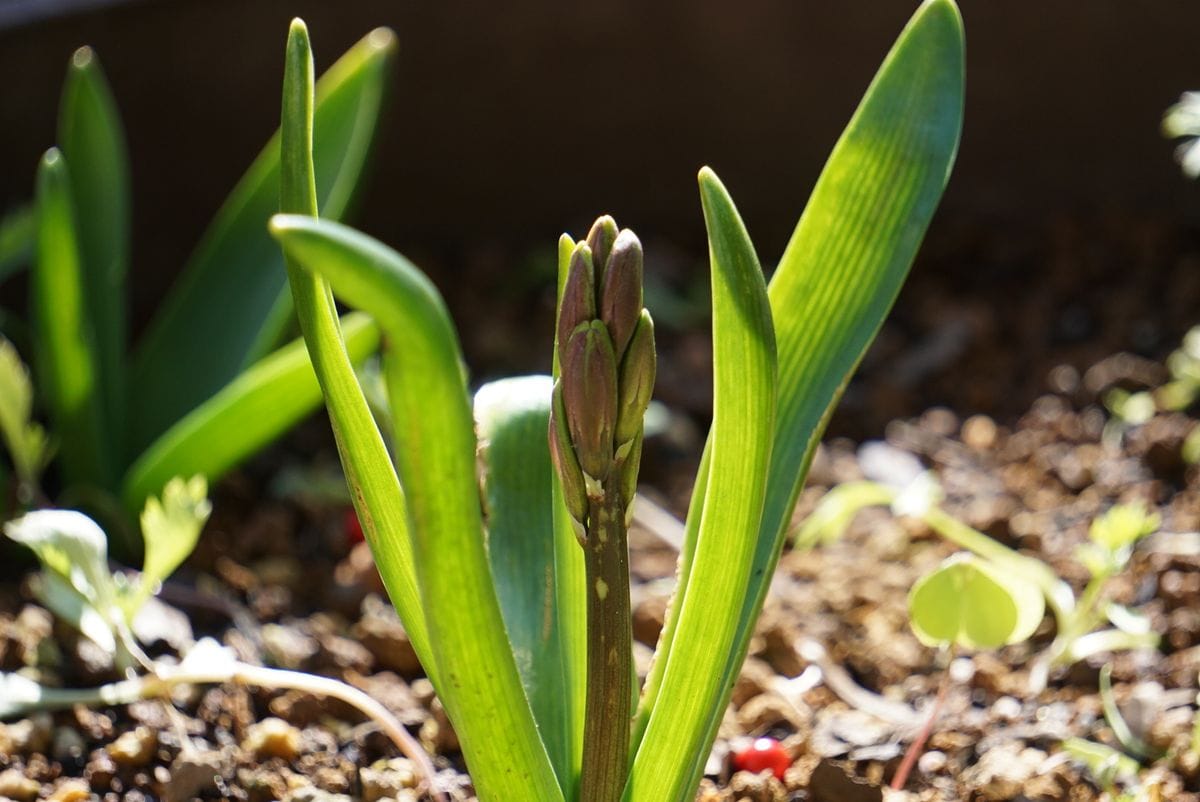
{"type": "Point", "coordinates": [134, 748]}
{"type": "Point", "coordinates": [272, 737]}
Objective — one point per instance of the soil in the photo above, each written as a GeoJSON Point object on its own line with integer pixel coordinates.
{"type": "Point", "coordinates": [1012, 425]}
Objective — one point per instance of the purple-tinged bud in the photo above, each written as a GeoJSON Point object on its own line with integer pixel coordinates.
{"type": "Point", "coordinates": [621, 291]}
{"type": "Point", "coordinates": [589, 391]}
{"type": "Point", "coordinates": [636, 381]}
{"type": "Point", "coordinates": [600, 239]}
{"type": "Point", "coordinates": [578, 303]}
{"type": "Point", "coordinates": [562, 453]}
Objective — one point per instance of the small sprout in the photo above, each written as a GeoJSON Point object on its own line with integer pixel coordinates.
{"type": "Point", "coordinates": [170, 526]}
{"type": "Point", "coordinates": [765, 754]}
{"type": "Point", "coordinates": [1131, 409]}
{"type": "Point", "coordinates": [26, 441]}
{"type": "Point", "coordinates": [1122, 526]}
{"type": "Point", "coordinates": [968, 602]}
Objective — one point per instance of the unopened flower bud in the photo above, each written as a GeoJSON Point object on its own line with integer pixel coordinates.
{"type": "Point", "coordinates": [620, 301]}
{"type": "Point", "coordinates": [565, 464]}
{"type": "Point", "coordinates": [579, 295]}
{"type": "Point", "coordinates": [600, 239]}
{"type": "Point", "coordinates": [589, 390]}
{"type": "Point", "coordinates": [636, 380]}
{"type": "Point", "coordinates": [629, 476]}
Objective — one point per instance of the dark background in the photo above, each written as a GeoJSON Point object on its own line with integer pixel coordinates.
{"type": "Point", "coordinates": [510, 122]}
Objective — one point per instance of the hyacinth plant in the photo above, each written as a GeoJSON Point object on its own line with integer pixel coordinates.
{"type": "Point", "coordinates": [524, 634]}
{"type": "Point", "coordinates": [211, 381]}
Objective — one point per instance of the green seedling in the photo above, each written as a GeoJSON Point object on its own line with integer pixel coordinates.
{"type": "Point", "coordinates": [523, 633]}
{"type": "Point", "coordinates": [76, 584]}
{"type": "Point", "coordinates": [967, 603]}
{"type": "Point", "coordinates": [207, 385]}
{"type": "Point", "coordinates": [1112, 537]}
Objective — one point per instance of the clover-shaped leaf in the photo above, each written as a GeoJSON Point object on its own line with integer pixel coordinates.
{"type": "Point", "coordinates": [970, 602]}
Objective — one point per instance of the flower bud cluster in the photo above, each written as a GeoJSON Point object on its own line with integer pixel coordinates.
{"type": "Point", "coordinates": [606, 369]}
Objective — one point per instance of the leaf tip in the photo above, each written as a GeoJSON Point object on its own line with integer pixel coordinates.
{"type": "Point", "coordinates": [382, 40]}
{"type": "Point", "coordinates": [83, 59]}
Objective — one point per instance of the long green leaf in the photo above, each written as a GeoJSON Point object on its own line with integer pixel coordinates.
{"type": "Point", "coordinates": [225, 311]}
{"type": "Point", "coordinates": [846, 261]}
{"type": "Point", "coordinates": [375, 489]}
{"type": "Point", "coordinates": [250, 412]}
{"type": "Point", "coordinates": [67, 366]}
{"type": "Point", "coordinates": [512, 417]}
{"type": "Point", "coordinates": [744, 370]}
{"type": "Point", "coordinates": [571, 588]}
{"type": "Point", "coordinates": [93, 142]}
{"type": "Point", "coordinates": [435, 441]}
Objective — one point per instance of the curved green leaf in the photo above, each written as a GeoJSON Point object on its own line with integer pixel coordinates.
{"type": "Point", "coordinates": [375, 489]}
{"type": "Point", "coordinates": [511, 418]}
{"type": "Point", "coordinates": [225, 311]}
{"type": "Point", "coordinates": [250, 412]}
{"type": "Point", "coordinates": [67, 366]}
{"type": "Point", "coordinates": [971, 603]}
{"type": "Point", "coordinates": [843, 268]}
{"type": "Point", "coordinates": [571, 587]}
{"type": "Point", "coordinates": [743, 428]}
{"type": "Point", "coordinates": [435, 442]}
{"type": "Point", "coordinates": [16, 240]}
{"type": "Point", "coordinates": [93, 142]}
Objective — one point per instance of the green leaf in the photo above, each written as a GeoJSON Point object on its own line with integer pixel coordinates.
{"type": "Point", "coordinates": [254, 409]}
{"type": "Point", "coordinates": [225, 312]}
{"type": "Point", "coordinates": [1122, 526]}
{"type": "Point", "coordinates": [26, 440]}
{"type": "Point", "coordinates": [16, 240]}
{"type": "Point", "coordinates": [969, 602]}
{"type": "Point", "coordinates": [171, 526]}
{"type": "Point", "coordinates": [843, 268]}
{"type": "Point", "coordinates": [571, 585]}
{"type": "Point", "coordinates": [435, 442]}
{"type": "Point", "coordinates": [73, 552]}
{"type": "Point", "coordinates": [743, 428]}
{"type": "Point", "coordinates": [67, 364]}
{"type": "Point", "coordinates": [93, 142]}
{"type": "Point", "coordinates": [511, 418]}
{"type": "Point", "coordinates": [375, 489]}
{"type": "Point", "coordinates": [837, 508]}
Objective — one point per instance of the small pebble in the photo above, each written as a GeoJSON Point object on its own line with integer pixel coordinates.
{"type": "Point", "coordinates": [932, 762]}
{"type": "Point", "coordinates": [15, 785]}
{"type": "Point", "coordinates": [979, 432]}
{"type": "Point", "coordinates": [386, 778]}
{"type": "Point", "coordinates": [1006, 708]}
{"type": "Point", "coordinates": [134, 748]}
{"type": "Point", "coordinates": [272, 737]}
{"type": "Point", "coordinates": [71, 791]}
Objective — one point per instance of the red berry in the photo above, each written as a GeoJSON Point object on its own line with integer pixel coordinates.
{"type": "Point", "coordinates": [763, 755]}
{"type": "Point", "coordinates": [352, 527]}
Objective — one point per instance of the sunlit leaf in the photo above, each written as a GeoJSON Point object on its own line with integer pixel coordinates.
{"type": "Point", "coordinates": [968, 602]}
{"type": "Point", "coordinates": [740, 449]}
{"type": "Point", "coordinates": [435, 447]}
{"type": "Point", "coordinates": [26, 440]}
{"type": "Point", "coordinates": [511, 419]}
{"type": "Point", "coordinates": [66, 362]}
{"type": "Point", "coordinates": [170, 526]}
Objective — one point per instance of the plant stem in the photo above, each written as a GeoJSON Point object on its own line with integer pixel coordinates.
{"type": "Point", "coordinates": [918, 745]}
{"type": "Point", "coordinates": [609, 645]}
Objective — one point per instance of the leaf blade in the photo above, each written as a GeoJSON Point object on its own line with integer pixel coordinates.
{"type": "Point", "coordinates": [744, 367]}
{"type": "Point", "coordinates": [224, 311]}
{"type": "Point", "coordinates": [66, 362]}
{"type": "Point", "coordinates": [249, 412]}
{"type": "Point", "coordinates": [479, 682]}
{"type": "Point", "coordinates": [93, 141]}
